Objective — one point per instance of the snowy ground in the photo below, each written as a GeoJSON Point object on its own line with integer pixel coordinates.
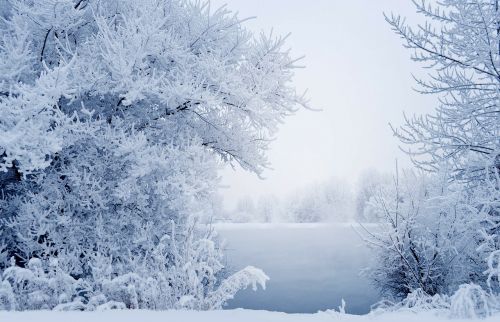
{"type": "Point", "coordinates": [311, 266]}
{"type": "Point", "coordinates": [216, 316]}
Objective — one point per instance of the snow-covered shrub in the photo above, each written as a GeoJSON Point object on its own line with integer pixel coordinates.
{"type": "Point", "coordinates": [493, 270]}
{"type": "Point", "coordinates": [7, 297]}
{"type": "Point", "coordinates": [487, 196]}
{"type": "Point", "coordinates": [468, 302]}
{"type": "Point", "coordinates": [114, 118]}
{"type": "Point", "coordinates": [428, 239]}
{"type": "Point", "coordinates": [415, 301]}
{"type": "Point", "coordinates": [38, 286]}
{"type": "Point", "coordinates": [471, 301]}
{"type": "Point", "coordinates": [421, 300]}
{"type": "Point", "coordinates": [179, 274]}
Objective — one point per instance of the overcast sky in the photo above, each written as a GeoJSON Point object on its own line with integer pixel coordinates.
{"type": "Point", "coordinates": [357, 72]}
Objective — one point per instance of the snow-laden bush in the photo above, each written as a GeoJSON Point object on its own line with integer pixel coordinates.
{"type": "Point", "coordinates": [488, 206]}
{"type": "Point", "coordinates": [470, 301]}
{"type": "Point", "coordinates": [37, 287]}
{"type": "Point", "coordinates": [428, 239]}
{"type": "Point", "coordinates": [177, 275]}
{"type": "Point", "coordinates": [415, 301]}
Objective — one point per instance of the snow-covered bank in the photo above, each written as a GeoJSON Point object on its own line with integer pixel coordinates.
{"type": "Point", "coordinates": [311, 266]}
{"type": "Point", "coordinates": [239, 315]}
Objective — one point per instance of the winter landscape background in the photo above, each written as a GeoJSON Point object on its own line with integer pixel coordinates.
{"type": "Point", "coordinates": [179, 159]}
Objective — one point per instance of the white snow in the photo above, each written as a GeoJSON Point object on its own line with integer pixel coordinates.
{"type": "Point", "coordinates": [311, 267]}
{"type": "Point", "coordinates": [238, 315]}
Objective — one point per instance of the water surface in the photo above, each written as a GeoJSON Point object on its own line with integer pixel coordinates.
{"type": "Point", "coordinates": [311, 266]}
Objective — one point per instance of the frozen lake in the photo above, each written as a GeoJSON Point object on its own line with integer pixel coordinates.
{"type": "Point", "coordinates": [311, 266]}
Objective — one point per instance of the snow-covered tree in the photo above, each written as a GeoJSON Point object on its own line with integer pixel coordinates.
{"type": "Point", "coordinates": [460, 42]}
{"type": "Point", "coordinates": [114, 119]}
{"type": "Point", "coordinates": [460, 45]}
{"type": "Point", "coordinates": [148, 64]}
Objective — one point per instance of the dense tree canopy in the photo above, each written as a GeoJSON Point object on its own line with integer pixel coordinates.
{"type": "Point", "coordinates": [114, 119]}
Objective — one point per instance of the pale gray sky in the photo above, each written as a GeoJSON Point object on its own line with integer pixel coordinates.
{"type": "Point", "coordinates": [357, 72]}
